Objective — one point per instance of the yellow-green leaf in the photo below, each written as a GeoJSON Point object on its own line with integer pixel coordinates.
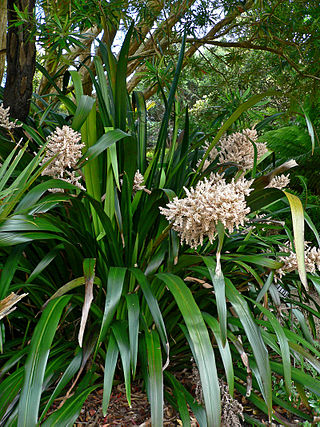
{"type": "Point", "coordinates": [298, 233]}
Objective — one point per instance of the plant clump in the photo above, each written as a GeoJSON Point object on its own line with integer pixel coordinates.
{"type": "Point", "coordinates": [211, 201]}
{"type": "Point", "coordinates": [290, 263]}
{"type": "Point", "coordinates": [63, 152]}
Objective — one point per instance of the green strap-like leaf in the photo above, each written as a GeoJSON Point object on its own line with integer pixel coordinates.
{"type": "Point", "coordinates": [155, 377]}
{"type": "Point", "coordinates": [106, 140]}
{"type": "Point", "coordinates": [284, 346]}
{"type": "Point", "coordinates": [254, 336]}
{"type": "Point", "coordinates": [162, 136]}
{"type": "Point", "coordinates": [37, 360]}
{"type": "Point", "coordinates": [103, 93]}
{"type": "Point", "coordinates": [14, 359]}
{"type": "Point", "coordinates": [224, 349]}
{"type": "Point", "coordinates": [82, 112]}
{"type": "Point", "coordinates": [109, 368]}
{"type": "Point", "coordinates": [9, 389]}
{"type": "Point", "coordinates": [258, 199]}
{"type": "Point", "coordinates": [78, 89]}
{"type": "Point", "coordinates": [9, 270]}
{"type": "Point", "coordinates": [121, 101]}
{"type": "Point", "coordinates": [34, 195]}
{"type": "Point", "coordinates": [69, 412]}
{"type": "Point", "coordinates": [180, 400]}
{"type": "Point", "coordinates": [139, 102]}
{"type": "Point", "coordinates": [254, 259]}
{"type": "Point", "coordinates": [265, 287]}
{"type": "Point", "coordinates": [195, 407]}
{"type": "Point", "coordinates": [114, 290]}
{"type": "Point", "coordinates": [133, 322]}
{"type": "Point", "coordinates": [312, 360]}
{"type": "Point", "coordinates": [199, 337]}
{"type": "Point", "coordinates": [119, 329]}
{"type": "Point", "coordinates": [79, 281]}
{"type": "Point", "coordinates": [153, 307]}
{"type": "Point", "coordinates": [45, 261]}
{"type": "Point", "coordinates": [220, 294]}
{"type": "Point", "coordinates": [66, 377]}
{"type": "Point", "coordinates": [300, 376]}
{"type": "Point", "coordinates": [298, 233]}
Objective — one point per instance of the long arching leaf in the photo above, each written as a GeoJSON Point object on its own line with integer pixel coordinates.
{"type": "Point", "coordinates": [66, 377]}
{"type": "Point", "coordinates": [155, 377]}
{"type": "Point", "coordinates": [220, 294]}
{"type": "Point", "coordinates": [224, 349]}
{"type": "Point", "coordinates": [109, 368]}
{"type": "Point", "coordinates": [283, 342]}
{"type": "Point", "coordinates": [119, 329]}
{"type": "Point", "coordinates": [106, 140]}
{"type": "Point", "coordinates": [37, 360]}
{"type": "Point", "coordinates": [153, 307]}
{"type": "Point", "coordinates": [114, 290]}
{"type": "Point", "coordinates": [69, 412]}
{"type": "Point", "coordinates": [254, 336]}
{"type": "Point", "coordinates": [201, 344]}
{"type": "Point", "coordinates": [298, 233]}
{"type": "Point", "coordinates": [133, 322]}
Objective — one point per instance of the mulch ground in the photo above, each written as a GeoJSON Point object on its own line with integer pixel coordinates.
{"type": "Point", "coordinates": [121, 415]}
{"type": "Point", "coordinates": [119, 412]}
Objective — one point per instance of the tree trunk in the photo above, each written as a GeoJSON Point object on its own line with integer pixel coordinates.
{"type": "Point", "coordinates": [21, 59]}
{"type": "Point", "coordinates": [3, 32]}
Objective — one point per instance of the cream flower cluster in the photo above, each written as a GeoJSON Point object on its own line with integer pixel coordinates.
{"type": "Point", "coordinates": [279, 182]}
{"type": "Point", "coordinates": [311, 258]}
{"type": "Point", "coordinates": [65, 145]}
{"type": "Point", "coordinates": [138, 181]}
{"type": "Point", "coordinates": [4, 119]}
{"type": "Point", "coordinates": [212, 200]}
{"type": "Point", "coordinates": [238, 148]}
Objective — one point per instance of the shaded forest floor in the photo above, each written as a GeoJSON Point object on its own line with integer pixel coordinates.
{"type": "Point", "coordinates": [121, 415]}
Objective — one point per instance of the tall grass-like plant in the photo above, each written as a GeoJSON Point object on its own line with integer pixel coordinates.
{"type": "Point", "coordinates": [107, 262]}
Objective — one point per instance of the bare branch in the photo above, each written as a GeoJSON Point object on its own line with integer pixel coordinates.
{"type": "Point", "coordinates": [163, 28]}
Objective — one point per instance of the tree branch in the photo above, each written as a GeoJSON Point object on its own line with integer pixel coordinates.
{"type": "Point", "coordinates": [211, 34]}
{"type": "Point", "coordinates": [163, 28]}
{"type": "Point", "coordinates": [249, 45]}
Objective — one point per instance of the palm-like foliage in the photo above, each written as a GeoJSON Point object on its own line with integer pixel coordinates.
{"type": "Point", "coordinates": [294, 142]}
{"type": "Point", "coordinates": [149, 308]}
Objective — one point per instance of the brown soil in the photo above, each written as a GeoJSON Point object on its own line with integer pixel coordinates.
{"type": "Point", "coordinates": [119, 412]}
{"type": "Point", "coordinates": [121, 415]}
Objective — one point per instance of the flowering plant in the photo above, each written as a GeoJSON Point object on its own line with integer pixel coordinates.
{"type": "Point", "coordinates": [150, 262]}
